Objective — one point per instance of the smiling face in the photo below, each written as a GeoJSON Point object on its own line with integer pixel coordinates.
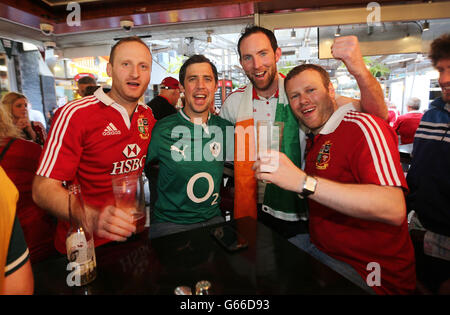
{"type": "Point", "coordinates": [199, 87]}
{"type": "Point", "coordinates": [19, 108]}
{"type": "Point", "coordinates": [311, 102]}
{"type": "Point", "coordinates": [130, 72]}
{"type": "Point", "coordinates": [443, 67]}
{"type": "Point", "coordinates": [259, 61]}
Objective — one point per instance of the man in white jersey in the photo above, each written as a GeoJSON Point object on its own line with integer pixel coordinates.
{"type": "Point", "coordinates": [265, 99]}
{"type": "Point", "coordinates": [96, 138]}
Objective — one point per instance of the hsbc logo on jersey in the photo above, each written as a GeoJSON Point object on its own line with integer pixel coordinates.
{"type": "Point", "coordinates": [131, 151]}
{"type": "Point", "coordinates": [132, 163]}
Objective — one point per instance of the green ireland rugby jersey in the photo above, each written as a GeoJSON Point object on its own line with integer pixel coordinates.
{"type": "Point", "coordinates": [191, 159]}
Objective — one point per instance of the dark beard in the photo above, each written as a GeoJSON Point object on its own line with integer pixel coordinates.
{"type": "Point", "coordinates": [269, 83]}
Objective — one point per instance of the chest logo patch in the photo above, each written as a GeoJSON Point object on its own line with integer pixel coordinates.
{"type": "Point", "coordinates": [324, 156]}
{"type": "Point", "coordinates": [131, 151]}
{"type": "Point", "coordinates": [142, 124]}
{"type": "Point", "coordinates": [215, 149]}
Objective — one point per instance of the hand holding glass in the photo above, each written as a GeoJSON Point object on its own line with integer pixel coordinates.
{"type": "Point", "coordinates": [129, 196]}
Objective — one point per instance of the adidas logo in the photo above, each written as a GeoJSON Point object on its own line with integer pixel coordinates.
{"type": "Point", "coordinates": [111, 130]}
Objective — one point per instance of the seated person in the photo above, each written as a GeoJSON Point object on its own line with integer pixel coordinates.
{"type": "Point", "coordinates": [190, 147]}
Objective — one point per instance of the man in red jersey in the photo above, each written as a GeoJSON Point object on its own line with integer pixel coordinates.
{"type": "Point", "coordinates": [407, 124]}
{"type": "Point", "coordinates": [355, 185]}
{"type": "Point", "coordinates": [96, 138]}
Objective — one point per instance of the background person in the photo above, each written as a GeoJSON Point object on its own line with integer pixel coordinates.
{"type": "Point", "coordinates": [16, 105]}
{"type": "Point", "coordinates": [96, 139]}
{"type": "Point", "coordinates": [19, 158]}
{"type": "Point", "coordinates": [165, 103]}
{"type": "Point", "coordinates": [16, 276]}
{"type": "Point", "coordinates": [83, 83]}
{"type": "Point", "coordinates": [406, 125]}
{"type": "Point", "coordinates": [428, 180]}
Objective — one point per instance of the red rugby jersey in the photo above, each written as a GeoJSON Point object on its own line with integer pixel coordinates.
{"type": "Point", "coordinates": [359, 148]}
{"type": "Point", "coordinates": [406, 126]}
{"type": "Point", "coordinates": [91, 141]}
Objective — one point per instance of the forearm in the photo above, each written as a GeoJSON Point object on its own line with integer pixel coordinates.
{"type": "Point", "coordinates": [364, 201]}
{"type": "Point", "coordinates": [372, 98]}
{"type": "Point", "coordinates": [49, 194]}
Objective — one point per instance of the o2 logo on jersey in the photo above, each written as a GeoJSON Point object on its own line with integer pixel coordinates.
{"type": "Point", "coordinates": [190, 188]}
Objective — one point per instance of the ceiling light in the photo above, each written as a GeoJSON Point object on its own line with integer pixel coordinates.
{"type": "Point", "coordinates": [338, 32]}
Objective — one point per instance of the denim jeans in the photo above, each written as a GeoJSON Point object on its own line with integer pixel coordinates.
{"type": "Point", "coordinates": [303, 242]}
{"type": "Point", "coordinates": [165, 228]}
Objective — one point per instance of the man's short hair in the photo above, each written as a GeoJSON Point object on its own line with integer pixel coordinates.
{"type": "Point", "coordinates": [299, 69]}
{"type": "Point", "coordinates": [414, 103]}
{"type": "Point", "coordinates": [440, 48]}
{"type": "Point", "coordinates": [196, 59]}
{"type": "Point", "coordinates": [253, 29]}
{"type": "Point", "coordinates": [125, 40]}
{"type": "Point", "coordinates": [87, 80]}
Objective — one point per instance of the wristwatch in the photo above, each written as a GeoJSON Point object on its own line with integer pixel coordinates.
{"type": "Point", "coordinates": [309, 186]}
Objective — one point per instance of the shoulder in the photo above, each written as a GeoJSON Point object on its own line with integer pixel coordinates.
{"type": "Point", "coordinates": [234, 97]}
{"type": "Point", "coordinates": [80, 106]}
{"type": "Point", "coordinates": [369, 125]}
{"type": "Point", "coordinates": [30, 146]}
{"type": "Point", "coordinates": [219, 121]}
{"type": "Point", "coordinates": [166, 123]}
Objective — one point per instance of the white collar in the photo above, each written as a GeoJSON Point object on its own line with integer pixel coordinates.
{"type": "Point", "coordinates": [204, 125]}
{"type": "Point", "coordinates": [335, 120]}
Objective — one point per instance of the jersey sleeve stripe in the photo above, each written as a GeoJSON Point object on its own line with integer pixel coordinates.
{"type": "Point", "coordinates": [17, 262]}
{"type": "Point", "coordinates": [55, 140]}
{"type": "Point", "coordinates": [371, 147]}
{"type": "Point", "coordinates": [387, 151]}
{"type": "Point", "coordinates": [377, 140]}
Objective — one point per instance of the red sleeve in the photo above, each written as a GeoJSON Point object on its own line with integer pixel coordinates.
{"type": "Point", "coordinates": [375, 156]}
{"type": "Point", "coordinates": [62, 151]}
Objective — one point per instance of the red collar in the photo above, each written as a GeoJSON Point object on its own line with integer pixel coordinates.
{"type": "Point", "coordinates": [256, 97]}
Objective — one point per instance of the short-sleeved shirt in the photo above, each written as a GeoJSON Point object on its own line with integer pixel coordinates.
{"type": "Point", "coordinates": [361, 149]}
{"type": "Point", "coordinates": [18, 253]}
{"type": "Point", "coordinates": [191, 160]}
{"type": "Point", "coordinates": [406, 126]}
{"type": "Point", "coordinates": [91, 141]}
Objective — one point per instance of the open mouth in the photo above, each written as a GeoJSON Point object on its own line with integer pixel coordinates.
{"type": "Point", "coordinates": [133, 84]}
{"type": "Point", "coordinates": [308, 110]}
{"type": "Point", "coordinates": [260, 75]}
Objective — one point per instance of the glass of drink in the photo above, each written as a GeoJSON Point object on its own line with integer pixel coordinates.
{"type": "Point", "coordinates": [129, 195]}
{"type": "Point", "coordinates": [269, 137]}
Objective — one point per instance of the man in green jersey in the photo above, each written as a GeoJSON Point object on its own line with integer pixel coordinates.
{"type": "Point", "coordinates": [191, 148]}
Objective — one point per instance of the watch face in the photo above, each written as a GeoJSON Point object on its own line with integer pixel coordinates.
{"type": "Point", "coordinates": [310, 185]}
